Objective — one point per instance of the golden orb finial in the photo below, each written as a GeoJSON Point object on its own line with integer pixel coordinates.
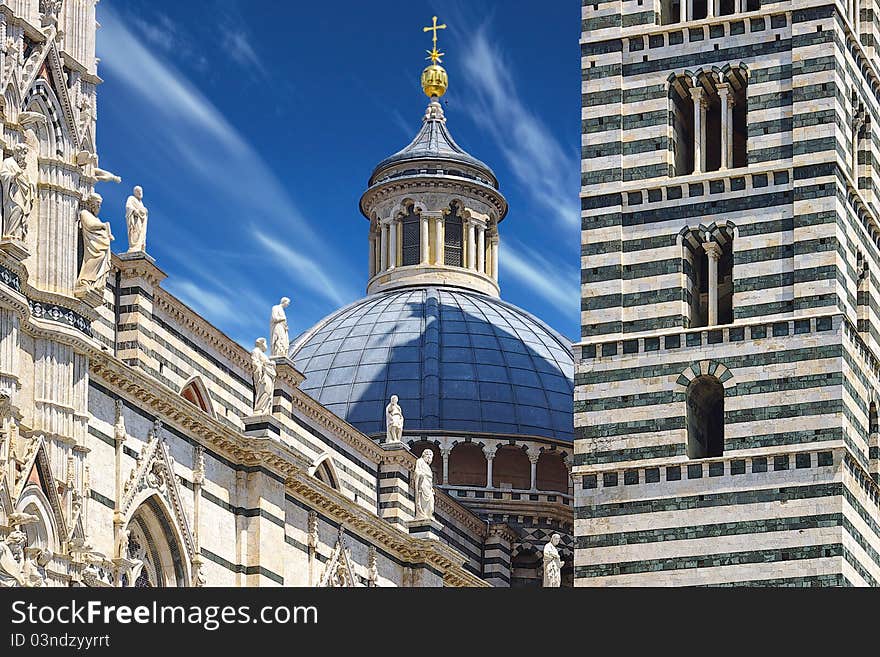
{"type": "Point", "coordinates": [435, 81]}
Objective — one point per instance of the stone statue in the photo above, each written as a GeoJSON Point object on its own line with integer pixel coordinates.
{"type": "Point", "coordinates": [424, 483]}
{"type": "Point", "coordinates": [96, 242]}
{"type": "Point", "coordinates": [122, 544]}
{"type": "Point", "coordinates": [552, 563]}
{"type": "Point", "coordinates": [19, 192]}
{"type": "Point", "coordinates": [394, 421]}
{"type": "Point", "coordinates": [12, 560]}
{"type": "Point", "coordinates": [264, 378]}
{"type": "Point", "coordinates": [34, 568]}
{"type": "Point", "coordinates": [136, 218]}
{"type": "Point", "coordinates": [278, 330]}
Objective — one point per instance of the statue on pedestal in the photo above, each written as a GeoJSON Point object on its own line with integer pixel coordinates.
{"type": "Point", "coordinates": [393, 421]}
{"type": "Point", "coordinates": [264, 378]}
{"type": "Point", "coordinates": [136, 218]}
{"type": "Point", "coordinates": [424, 484]}
{"type": "Point", "coordinates": [552, 563]}
{"type": "Point", "coordinates": [96, 242]}
{"type": "Point", "coordinates": [19, 190]}
{"type": "Point", "coordinates": [279, 331]}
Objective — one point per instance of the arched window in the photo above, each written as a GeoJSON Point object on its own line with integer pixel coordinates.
{"type": "Point", "coordinates": [412, 241]}
{"type": "Point", "coordinates": [511, 469]}
{"type": "Point", "coordinates": [324, 470]}
{"type": "Point", "coordinates": [670, 11]}
{"type": "Point", "coordinates": [725, 283]}
{"type": "Point", "coordinates": [195, 392]}
{"type": "Point", "coordinates": [681, 112]}
{"type": "Point", "coordinates": [695, 270]}
{"type": "Point", "coordinates": [152, 543]}
{"type": "Point", "coordinates": [467, 465]}
{"type": "Point", "coordinates": [453, 231]}
{"type": "Point", "coordinates": [705, 418]}
{"type": "Point", "coordinates": [552, 474]}
{"type": "Point", "coordinates": [873, 443]}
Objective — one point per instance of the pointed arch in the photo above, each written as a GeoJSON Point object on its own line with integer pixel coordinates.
{"type": "Point", "coordinates": [43, 533]}
{"type": "Point", "coordinates": [56, 138]}
{"type": "Point", "coordinates": [156, 541]}
{"type": "Point", "coordinates": [324, 469]}
{"type": "Point", "coordinates": [12, 100]}
{"type": "Point", "coordinates": [196, 392]}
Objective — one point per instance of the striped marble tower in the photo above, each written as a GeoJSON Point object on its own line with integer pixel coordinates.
{"type": "Point", "coordinates": [728, 373]}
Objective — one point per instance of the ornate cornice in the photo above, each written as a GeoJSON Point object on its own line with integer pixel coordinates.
{"type": "Point", "coordinates": [431, 184]}
{"type": "Point", "coordinates": [450, 508]}
{"type": "Point", "coordinates": [359, 521]}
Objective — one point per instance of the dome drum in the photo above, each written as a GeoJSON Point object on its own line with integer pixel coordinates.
{"type": "Point", "coordinates": [420, 275]}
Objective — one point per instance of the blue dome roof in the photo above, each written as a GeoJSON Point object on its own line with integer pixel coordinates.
{"type": "Point", "coordinates": [459, 361]}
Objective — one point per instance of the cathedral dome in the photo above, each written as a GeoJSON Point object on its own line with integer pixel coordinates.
{"type": "Point", "coordinates": [460, 361]}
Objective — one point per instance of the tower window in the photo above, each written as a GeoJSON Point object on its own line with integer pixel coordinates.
{"type": "Point", "coordinates": [682, 116]}
{"type": "Point", "coordinates": [453, 237]}
{"type": "Point", "coordinates": [709, 117]}
{"type": "Point", "coordinates": [863, 293]}
{"type": "Point", "coordinates": [411, 230]}
{"type": "Point", "coordinates": [705, 418]}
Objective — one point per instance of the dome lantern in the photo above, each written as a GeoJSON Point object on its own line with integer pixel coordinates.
{"type": "Point", "coordinates": [433, 208]}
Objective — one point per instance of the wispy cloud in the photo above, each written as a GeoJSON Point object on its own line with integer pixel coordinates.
{"type": "Point", "coordinates": [547, 171]}
{"type": "Point", "coordinates": [196, 138]}
{"type": "Point", "coordinates": [238, 45]}
{"type": "Point", "coordinates": [558, 286]}
{"type": "Point", "coordinates": [305, 270]}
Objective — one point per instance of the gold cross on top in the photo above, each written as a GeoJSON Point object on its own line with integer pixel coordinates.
{"type": "Point", "coordinates": [434, 55]}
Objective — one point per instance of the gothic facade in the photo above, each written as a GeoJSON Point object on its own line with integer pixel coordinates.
{"type": "Point", "coordinates": [131, 453]}
{"type": "Point", "coordinates": [727, 375]}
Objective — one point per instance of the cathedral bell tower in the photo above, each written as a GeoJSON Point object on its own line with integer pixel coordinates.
{"type": "Point", "coordinates": [433, 209]}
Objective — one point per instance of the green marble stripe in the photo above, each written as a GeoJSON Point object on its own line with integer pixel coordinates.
{"type": "Point", "coordinates": [612, 429]}
{"type": "Point", "coordinates": [628, 401]}
{"type": "Point", "coordinates": [711, 560]}
{"type": "Point", "coordinates": [704, 501]}
{"type": "Point", "coordinates": [731, 445]}
{"type": "Point", "coordinates": [808, 581]}
{"type": "Point", "coordinates": [601, 71]}
{"type": "Point", "coordinates": [761, 359]}
{"type": "Point", "coordinates": [739, 528]}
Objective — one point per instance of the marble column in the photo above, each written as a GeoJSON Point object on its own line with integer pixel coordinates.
{"type": "Point", "coordinates": [383, 248]}
{"type": "Point", "coordinates": [713, 251]}
{"type": "Point", "coordinates": [372, 254]}
{"type": "Point", "coordinates": [699, 129]}
{"type": "Point", "coordinates": [490, 456]}
{"type": "Point", "coordinates": [534, 455]}
{"type": "Point", "coordinates": [471, 245]}
{"type": "Point", "coordinates": [425, 240]}
{"type": "Point", "coordinates": [392, 245]}
{"type": "Point", "coordinates": [481, 250]}
{"type": "Point", "coordinates": [731, 101]}
{"type": "Point", "coordinates": [444, 453]}
{"type": "Point", "coordinates": [495, 244]}
{"type": "Point", "coordinates": [726, 125]}
{"type": "Point", "coordinates": [683, 11]}
{"type": "Point", "coordinates": [439, 239]}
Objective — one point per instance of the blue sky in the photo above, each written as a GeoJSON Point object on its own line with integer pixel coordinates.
{"type": "Point", "coordinates": [253, 127]}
